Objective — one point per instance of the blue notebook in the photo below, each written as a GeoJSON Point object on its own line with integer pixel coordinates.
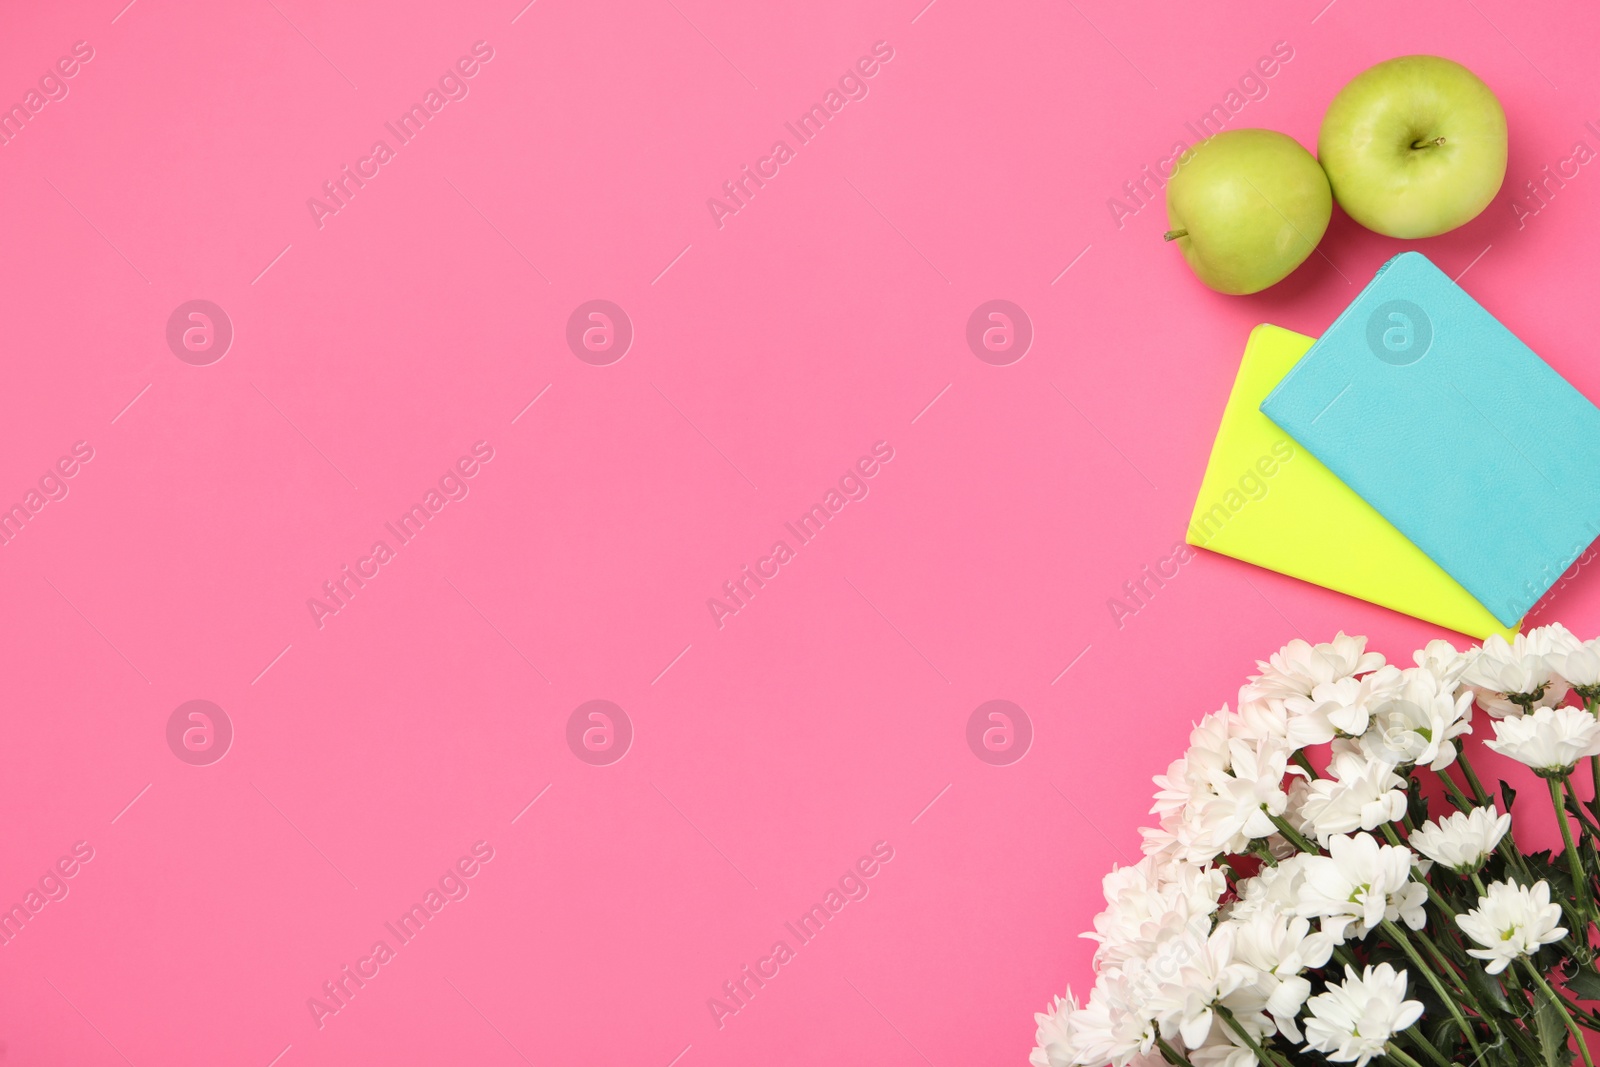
{"type": "Point", "coordinates": [1454, 430]}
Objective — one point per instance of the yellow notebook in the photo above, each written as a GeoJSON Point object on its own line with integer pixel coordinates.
{"type": "Point", "coordinates": [1266, 500]}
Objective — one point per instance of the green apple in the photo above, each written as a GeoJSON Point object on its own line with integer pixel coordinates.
{"type": "Point", "coordinates": [1247, 207]}
{"type": "Point", "coordinates": [1414, 146]}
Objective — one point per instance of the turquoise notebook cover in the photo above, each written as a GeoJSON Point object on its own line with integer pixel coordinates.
{"type": "Point", "coordinates": [1454, 430]}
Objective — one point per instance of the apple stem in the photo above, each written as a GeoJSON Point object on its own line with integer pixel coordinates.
{"type": "Point", "coordinates": [1427, 144]}
{"type": "Point", "coordinates": [1173, 235]}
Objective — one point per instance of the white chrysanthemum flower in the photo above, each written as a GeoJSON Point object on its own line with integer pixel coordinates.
{"type": "Point", "coordinates": [1553, 638]}
{"type": "Point", "coordinates": [1172, 790]}
{"type": "Point", "coordinates": [1206, 759]}
{"type": "Point", "coordinates": [1579, 667]}
{"type": "Point", "coordinates": [1462, 841]}
{"type": "Point", "coordinates": [1295, 815]}
{"type": "Point", "coordinates": [1260, 719]}
{"type": "Point", "coordinates": [1053, 1040]}
{"type": "Point", "coordinates": [1299, 667]}
{"type": "Point", "coordinates": [1551, 740]}
{"type": "Point", "coordinates": [1340, 708]}
{"type": "Point", "coordinates": [1110, 1027]}
{"type": "Point", "coordinates": [1511, 921]}
{"type": "Point", "coordinates": [1508, 676]}
{"type": "Point", "coordinates": [1207, 754]}
{"type": "Point", "coordinates": [1360, 794]}
{"type": "Point", "coordinates": [1237, 807]}
{"type": "Point", "coordinates": [1160, 844]}
{"type": "Point", "coordinates": [1146, 899]}
{"type": "Point", "coordinates": [1280, 947]}
{"type": "Point", "coordinates": [1275, 889]}
{"type": "Point", "coordinates": [1359, 885]}
{"type": "Point", "coordinates": [1442, 660]}
{"type": "Point", "coordinates": [1193, 972]}
{"type": "Point", "coordinates": [1419, 723]}
{"type": "Point", "coordinates": [1058, 1047]}
{"type": "Point", "coordinates": [1353, 1021]}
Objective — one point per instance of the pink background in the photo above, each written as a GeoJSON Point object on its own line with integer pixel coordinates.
{"type": "Point", "coordinates": [769, 354]}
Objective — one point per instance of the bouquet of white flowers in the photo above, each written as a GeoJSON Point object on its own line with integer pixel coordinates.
{"type": "Point", "coordinates": [1374, 907]}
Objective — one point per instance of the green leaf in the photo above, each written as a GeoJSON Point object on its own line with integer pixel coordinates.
{"type": "Point", "coordinates": [1552, 1030]}
{"type": "Point", "coordinates": [1508, 793]}
{"type": "Point", "coordinates": [1560, 879]}
{"type": "Point", "coordinates": [1445, 1036]}
{"type": "Point", "coordinates": [1542, 868]}
{"type": "Point", "coordinates": [1487, 987]}
{"type": "Point", "coordinates": [1416, 803]}
{"type": "Point", "coordinates": [1585, 985]}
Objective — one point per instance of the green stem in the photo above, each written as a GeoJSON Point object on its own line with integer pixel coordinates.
{"type": "Point", "coordinates": [1392, 1050]}
{"type": "Point", "coordinates": [1293, 836]}
{"type": "Point", "coordinates": [1472, 777]}
{"type": "Point", "coordinates": [1507, 850]}
{"type": "Point", "coordinates": [1521, 1036]}
{"type": "Point", "coordinates": [1301, 761]}
{"type": "Point", "coordinates": [1574, 862]}
{"type": "Point", "coordinates": [1438, 898]}
{"type": "Point", "coordinates": [1566, 1017]}
{"type": "Point", "coordinates": [1262, 1054]}
{"type": "Point", "coordinates": [1450, 913]}
{"type": "Point", "coordinates": [1398, 936]}
{"type": "Point", "coordinates": [1172, 1054]}
{"type": "Point", "coordinates": [1592, 706]}
{"type": "Point", "coordinates": [1449, 968]}
{"type": "Point", "coordinates": [1421, 1042]}
{"type": "Point", "coordinates": [1457, 797]}
{"type": "Point", "coordinates": [1259, 848]}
